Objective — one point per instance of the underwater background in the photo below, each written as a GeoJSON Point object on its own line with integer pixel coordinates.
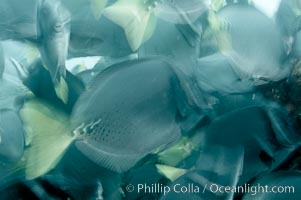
{"type": "Point", "coordinates": [150, 99]}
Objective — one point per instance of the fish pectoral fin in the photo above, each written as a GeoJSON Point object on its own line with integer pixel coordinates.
{"type": "Point", "coordinates": [172, 173]}
{"type": "Point", "coordinates": [50, 137]}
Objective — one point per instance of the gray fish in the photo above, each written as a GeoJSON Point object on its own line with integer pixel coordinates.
{"type": "Point", "coordinates": [216, 73]}
{"type": "Point", "coordinates": [91, 37]}
{"type": "Point", "coordinates": [11, 90]}
{"type": "Point", "coordinates": [91, 33]}
{"type": "Point", "coordinates": [79, 176]}
{"type": "Point", "coordinates": [265, 133]}
{"type": "Point", "coordinates": [50, 30]}
{"type": "Point", "coordinates": [38, 80]}
{"type": "Point", "coordinates": [168, 40]}
{"type": "Point", "coordinates": [45, 23]}
{"type": "Point", "coordinates": [54, 27]}
{"type": "Point", "coordinates": [286, 18]}
{"type": "Point", "coordinates": [136, 102]}
{"type": "Point", "coordinates": [253, 42]}
{"type": "Point", "coordinates": [222, 168]}
{"type": "Point", "coordinates": [177, 11]}
{"type": "Point", "coordinates": [234, 149]}
{"type": "Point", "coordinates": [128, 111]}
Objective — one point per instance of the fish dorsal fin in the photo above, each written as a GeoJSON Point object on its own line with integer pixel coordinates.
{"type": "Point", "coordinates": [50, 136]}
{"type": "Point", "coordinates": [172, 173]}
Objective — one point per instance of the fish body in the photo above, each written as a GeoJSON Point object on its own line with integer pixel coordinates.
{"type": "Point", "coordinates": [216, 73]}
{"type": "Point", "coordinates": [180, 12]}
{"type": "Point", "coordinates": [162, 43]}
{"type": "Point", "coordinates": [254, 43]}
{"type": "Point", "coordinates": [267, 141]}
{"type": "Point", "coordinates": [54, 28]}
{"type": "Point", "coordinates": [131, 101]}
{"type": "Point", "coordinates": [51, 35]}
{"type": "Point", "coordinates": [92, 34]}
{"type": "Point", "coordinates": [127, 111]}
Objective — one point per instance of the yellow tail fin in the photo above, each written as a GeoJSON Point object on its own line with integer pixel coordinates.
{"type": "Point", "coordinates": [49, 129]}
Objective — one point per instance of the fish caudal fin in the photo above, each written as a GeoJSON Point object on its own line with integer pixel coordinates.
{"type": "Point", "coordinates": [49, 129]}
{"type": "Point", "coordinates": [135, 20]}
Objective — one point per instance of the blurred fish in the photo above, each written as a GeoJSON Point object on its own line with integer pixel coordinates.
{"type": "Point", "coordinates": [52, 33]}
{"type": "Point", "coordinates": [54, 27]}
{"type": "Point", "coordinates": [46, 24]}
{"type": "Point", "coordinates": [38, 80]}
{"type": "Point", "coordinates": [139, 103]}
{"type": "Point", "coordinates": [295, 85]}
{"type": "Point", "coordinates": [287, 181]}
{"type": "Point", "coordinates": [178, 12]}
{"type": "Point", "coordinates": [254, 44]}
{"type": "Point", "coordinates": [147, 174]}
{"type": "Point", "coordinates": [82, 178]}
{"type": "Point", "coordinates": [216, 73]}
{"type": "Point", "coordinates": [12, 138]}
{"type": "Point", "coordinates": [286, 18]}
{"type": "Point", "coordinates": [198, 179]}
{"type": "Point", "coordinates": [233, 150]}
{"type": "Point", "coordinates": [141, 111]}
{"type": "Point", "coordinates": [18, 20]}
{"type": "Point", "coordinates": [138, 18]}
{"type": "Point", "coordinates": [267, 141]}
{"type": "Point", "coordinates": [168, 40]}
{"type": "Point", "coordinates": [11, 92]}
{"type": "Point", "coordinates": [91, 33]}
{"type": "Point", "coordinates": [17, 190]}
{"type": "Point", "coordinates": [90, 37]}
{"type": "Point", "coordinates": [87, 75]}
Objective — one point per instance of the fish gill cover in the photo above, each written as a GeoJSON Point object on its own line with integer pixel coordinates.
{"type": "Point", "coordinates": [150, 99]}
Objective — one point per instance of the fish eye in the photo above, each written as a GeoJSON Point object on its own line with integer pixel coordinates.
{"type": "Point", "coordinates": [58, 27]}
